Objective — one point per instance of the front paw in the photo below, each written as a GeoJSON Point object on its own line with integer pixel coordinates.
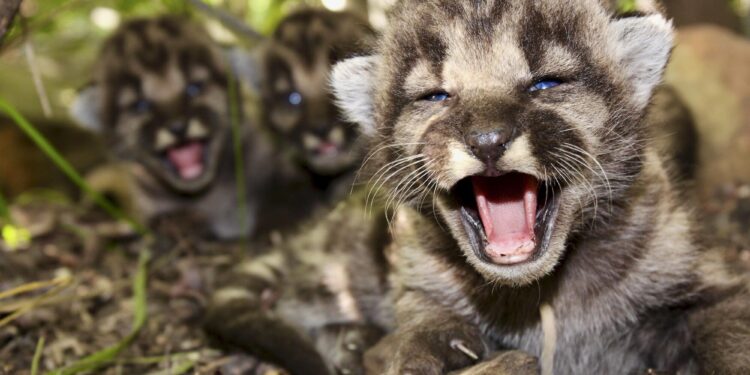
{"type": "Point", "coordinates": [505, 363]}
{"type": "Point", "coordinates": [425, 352]}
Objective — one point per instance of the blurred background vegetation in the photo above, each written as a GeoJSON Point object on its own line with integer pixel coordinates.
{"type": "Point", "coordinates": [64, 35]}
{"type": "Point", "coordinates": [56, 42]}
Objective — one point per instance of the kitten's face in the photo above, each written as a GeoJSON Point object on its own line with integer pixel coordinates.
{"type": "Point", "coordinates": [520, 121]}
{"type": "Point", "coordinates": [298, 104]}
{"type": "Point", "coordinates": [165, 101]}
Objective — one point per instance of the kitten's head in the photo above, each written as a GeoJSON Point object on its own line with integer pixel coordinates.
{"type": "Point", "coordinates": [521, 120]}
{"type": "Point", "coordinates": [297, 101]}
{"type": "Point", "coordinates": [160, 98]}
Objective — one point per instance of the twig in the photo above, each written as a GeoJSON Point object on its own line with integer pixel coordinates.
{"type": "Point", "coordinates": [34, 286]}
{"type": "Point", "coordinates": [108, 355]}
{"type": "Point", "coordinates": [28, 51]}
{"type": "Point", "coordinates": [228, 20]}
{"type": "Point", "coordinates": [33, 303]}
{"type": "Point", "coordinates": [550, 339]}
{"type": "Point", "coordinates": [461, 346]}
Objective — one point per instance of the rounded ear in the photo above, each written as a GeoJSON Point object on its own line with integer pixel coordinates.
{"type": "Point", "coordinates": [353, 84]}
{"type": "Point", "coordinates": [86, 108]}
{"type": "Point", "coordinates": [246, 67]}
{"type": "Point", "coordinates": [642, 46]}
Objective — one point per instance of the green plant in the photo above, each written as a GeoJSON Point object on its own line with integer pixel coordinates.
{"type": "Point", "coordinates": [106, 356]}
{"type": "Point", "coordinates": [65, 167]}
{"type": "Point", "coordinates": [625, 6]}
{"type": "Point", "coordinates": [4, 214]}
{"type": "Point", "coordinates": [239, 164]}
{"type": "Point", "coordinates": [37, 356]}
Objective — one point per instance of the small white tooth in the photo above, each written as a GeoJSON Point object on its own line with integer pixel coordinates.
{"type": "Point", "coordinates": [337, 135]}
{"type": "Point", "coordinates": [196, 129]}
{"type": "Point", "coordinates": [310, 141]}
{"type": "Point", "coordinates": [164, 140]}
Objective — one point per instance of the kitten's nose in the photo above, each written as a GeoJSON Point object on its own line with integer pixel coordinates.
{"type": "Point", "coordinates": [177, 127]}
{"type": "Point", "coordinates": [489, 146]}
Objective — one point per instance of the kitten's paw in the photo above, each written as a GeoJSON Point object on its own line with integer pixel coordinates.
{"type": "Point", "coordinates": [426, 352]}
{"type": "Point", "coordinates": [505, 363]}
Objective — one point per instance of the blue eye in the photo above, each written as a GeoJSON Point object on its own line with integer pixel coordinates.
{"type": "Point", "coordinates": [437, 97]}
{"type": "Point", "coordinates": [141, 106]}
{"type": "Point", "coordinates": [295, 98]}
{"type": "Point", "coordinates": [194, 89]}
{"type": "Point", "coordinates": [544, 85]}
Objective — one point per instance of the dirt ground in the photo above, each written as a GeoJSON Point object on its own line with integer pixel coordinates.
{"type": "Point", "coordinates": [87, 264]}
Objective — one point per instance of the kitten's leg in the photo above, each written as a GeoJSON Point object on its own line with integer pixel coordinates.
{"type": "Point", "coordinates": [429, 340]}
{"type": "Point", "coordinates": [721, 335]}
{"type": "Point", "coordinates": [343, 346]}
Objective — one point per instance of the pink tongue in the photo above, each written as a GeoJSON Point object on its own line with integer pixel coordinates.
{"type": "Point", "coordinates": [328, 148]}
{"type": "Point", "coordinates": [507, 207]}
{"type": "Point", "coordinates": [187, 159]}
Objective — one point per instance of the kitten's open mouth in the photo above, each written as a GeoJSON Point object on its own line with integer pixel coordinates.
{"type": "Point", "coordinates": [508, 219]}
{"type": "Point", "coordinates": [187, 160]}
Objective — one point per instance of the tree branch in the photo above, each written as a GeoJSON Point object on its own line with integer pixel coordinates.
{"type": "Point", "coordinates": [8, 10]}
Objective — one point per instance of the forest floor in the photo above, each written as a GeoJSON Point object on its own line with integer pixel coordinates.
{"type": "Point", "coordinates": [76, 285]}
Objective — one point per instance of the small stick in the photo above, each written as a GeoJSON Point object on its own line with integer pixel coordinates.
{"type": "Point", "coordinates": [550, 339]}
{"type": "Point", "coordinates": [41, 92]}
{"type": "Point", "coordinates": [460, 346]}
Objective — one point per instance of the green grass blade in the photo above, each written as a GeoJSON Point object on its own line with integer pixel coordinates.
{"type": "Point", "coordinates": [107, 356]}
{"type": "Point", "coordinates": [65, 167]}
{"type": "Point", "coordinates": [4, 214]}
{"type": "Point", "coordinates": [37, 356]}
{"type": "Point", "coordinates": [239, 160]}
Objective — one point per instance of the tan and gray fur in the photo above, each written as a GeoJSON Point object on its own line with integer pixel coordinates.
{"type": "Point", "coordinates": [316, 302]}
{"type": "Point", "coordinates": [298, 106]}
{"type": "Point", "coordinates": [159, 84]}
{"type": "Point", "coordinates": [617, 259]}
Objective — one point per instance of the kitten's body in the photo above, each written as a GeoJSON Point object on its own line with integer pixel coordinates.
{"type": "Point", "coordinates": [316, 302]}
{"type": "Point", "coordinates": [521, 125]}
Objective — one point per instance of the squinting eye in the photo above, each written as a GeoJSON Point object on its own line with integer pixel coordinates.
{"type": "Point", "coordinates": [295, 98]}
{"type": "Point", "coordinates": [544, 85]}
{"type": "Point", "coordinates": [436, 97]}
{"type": "Point", "coordinates": [141, 106]}
{"type": "Point", "coordinates": [194, 89]}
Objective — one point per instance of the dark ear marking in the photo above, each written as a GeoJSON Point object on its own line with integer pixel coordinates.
{"type": "Point", "coordinates": [630, 14]}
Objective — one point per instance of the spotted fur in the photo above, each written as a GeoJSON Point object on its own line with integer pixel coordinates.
{"type": "Point", "coordinates": [316, 302]}
{"type": "Point", "coordinates": [619, 263]}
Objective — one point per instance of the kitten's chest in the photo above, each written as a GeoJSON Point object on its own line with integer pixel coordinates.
{"type": "Point", "coordinates": [581, 348]}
